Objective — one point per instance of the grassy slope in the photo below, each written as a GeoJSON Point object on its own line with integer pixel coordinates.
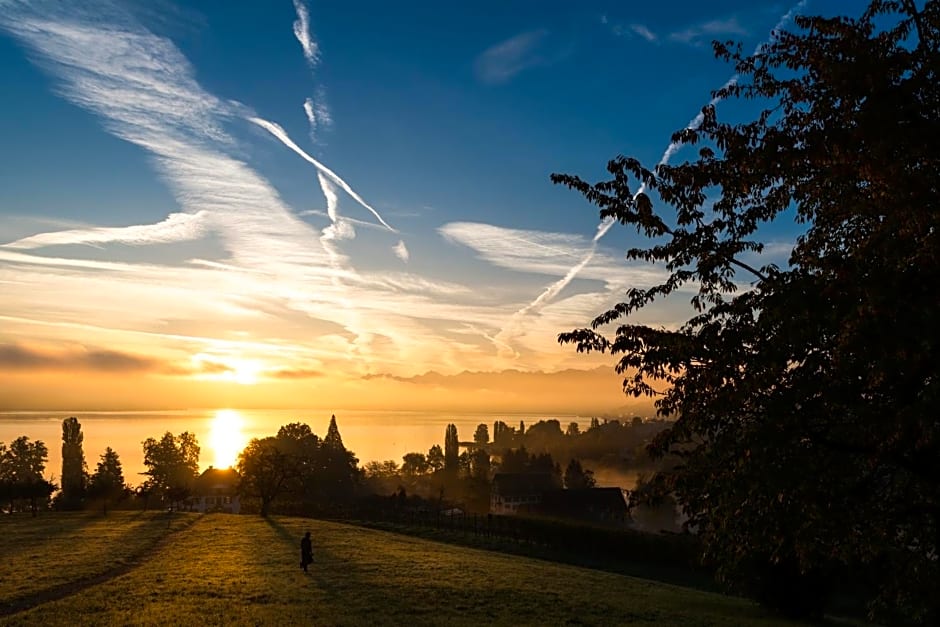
{"type": "Point", "coordinates": [243, 570]}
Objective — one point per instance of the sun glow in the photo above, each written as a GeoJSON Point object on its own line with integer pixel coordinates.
{"type": "Point", "coordinates": [226, 438]}
{"type": "Point", "coordinates": [245, 372]}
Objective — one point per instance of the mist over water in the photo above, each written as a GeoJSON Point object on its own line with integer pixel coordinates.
{"type": "Point", "coordinates": [371, 435]}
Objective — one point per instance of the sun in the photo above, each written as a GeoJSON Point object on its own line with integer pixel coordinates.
{"type": "Point", "coordinates": [226, 438]}
{"type": "Point", "coordinates": [245, 372]}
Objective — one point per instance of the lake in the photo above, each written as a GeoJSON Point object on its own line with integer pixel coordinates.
{"type": "Point", "coordinates": [371, 435]}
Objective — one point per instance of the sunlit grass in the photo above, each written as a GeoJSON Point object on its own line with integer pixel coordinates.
{"type": "Point", "coordinates": [244, 570]}
{"type": "Point", "coordinates": [39, 554]}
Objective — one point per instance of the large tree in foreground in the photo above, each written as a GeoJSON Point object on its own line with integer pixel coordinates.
{"type": "Point", "coordinates": [172, 464]}
{"type": "Point", "coordinates": [806, 395]}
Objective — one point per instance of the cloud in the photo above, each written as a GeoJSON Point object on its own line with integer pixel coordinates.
{"type": "Point", "coordinates": [643, 32]}
{"type": "Point", "coordinates": [302, 33]}
{"type": "Point", "coordinates": [631, 30]}
{"type": "Point", "coordinates": [271, 286]}
{"type": "Point", "coordinates": [401, 251]}
{"type": "Point", "coordinates": [176, 227]}
{"type": "Point", "coordinates": [501, 62]}
{"type": "Point", "coordinates": [293, 373]}
{"type": "Point", "coordinates": [708, 30]}
{"type": "Point", "coordinates": [16, 357]}
{"type": "Point", "coordinates": [531, 251]}
{"type": "Point", "coordinates": [318, 115]}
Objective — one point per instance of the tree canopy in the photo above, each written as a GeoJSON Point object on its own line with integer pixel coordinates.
{"type": "Point", "coordinates": [298, 468]}
{"type": "Point", "coordinates": [74, 468]}
{"type": "Point", "coordinates": [172, 464]}
{"type": "Point", "coordinates": [804, 392]}
{"type": "Point", "coordinates": [22, 485]}
{"type": "Point", "coordinates": [107, 483]}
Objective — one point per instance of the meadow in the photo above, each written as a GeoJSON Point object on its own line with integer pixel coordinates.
{"type": "Point", "coordinates": [151, 568]}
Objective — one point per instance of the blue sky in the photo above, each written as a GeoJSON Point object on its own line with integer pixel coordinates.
{"type": "Point", "coordinates": [152, 205]}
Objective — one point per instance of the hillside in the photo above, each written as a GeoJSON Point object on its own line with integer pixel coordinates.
{"type": "Point", "coordinates": [143, 568]}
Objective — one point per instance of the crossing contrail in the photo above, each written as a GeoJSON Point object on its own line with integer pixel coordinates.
{"type": "Point", "coordinates": [279, 133]}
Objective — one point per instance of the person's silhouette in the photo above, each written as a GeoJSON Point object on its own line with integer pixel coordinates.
{"type": "Point", "coordinates": [306, 551]}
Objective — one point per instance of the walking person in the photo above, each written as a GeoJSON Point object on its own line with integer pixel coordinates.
{"type": "Point", "coordinates": [306, 551]}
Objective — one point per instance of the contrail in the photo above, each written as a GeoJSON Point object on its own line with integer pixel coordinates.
{"type": "Point", "coordinates": [279, 132]}
{"type": "Point", "coordinates": [605, 225]}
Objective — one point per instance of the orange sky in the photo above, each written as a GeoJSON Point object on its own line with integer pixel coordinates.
{"type": "Point", "coordinates": [569, 391]}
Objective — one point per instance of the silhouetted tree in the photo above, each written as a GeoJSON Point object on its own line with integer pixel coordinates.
{"type": "Point", "coordinates": [451, 449]}
{"type": "Point", "coordinates": [74, 469]}
{"type": "Point", "coordinates": [333, 438]}
{"type": "Point", "coordinates": [463, 464]}
{"type": "Point", "coordinates": [337, 467]}
{"type": "Point", "coordinates": [577, 478]}
{"type": "Point", "coordinates": [480, 464]}
{"type": "Point", "coordinates": [172, 463]}
{"type": "Point", "coordinates": [806, 403]}
{"type": "Point", "coordinates": [502, 433]}
{"type": "Point", "coordinates": [573, 430]}
{"type": "Point", "coordinates": [435, 458]}
{"type": "Point", "coordinates": [514, 460]}
{"type": "Point", "coordinates": [107, 483]}
{"type": "Point", "coordinates": [301, 448]}
{"type": "Point", "coordinates": [481, 436]}
{"type": "Point", "coordinates": [414, 464]}
{"type": "Point", "coordinates": [21, 480]}
{"type": "Point", "coordinates": [265, 471]}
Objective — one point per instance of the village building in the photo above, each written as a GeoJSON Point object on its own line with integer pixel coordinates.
{"type": "Point", "coordinates": [216, 490]}
{"type": "Point", "coordinates": [604, 506]}
{"type": "Point", "coordinates": [513, 492]}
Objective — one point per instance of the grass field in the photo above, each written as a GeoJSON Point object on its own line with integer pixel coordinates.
{"type": "Point", "coordinates": [147, 569]}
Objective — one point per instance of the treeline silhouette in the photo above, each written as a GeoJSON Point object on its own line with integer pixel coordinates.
{"type": "Point", "coordinates": [295, 471]}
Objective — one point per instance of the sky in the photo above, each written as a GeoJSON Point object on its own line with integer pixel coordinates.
{"type": "Point", "coordinates": [326, 204]}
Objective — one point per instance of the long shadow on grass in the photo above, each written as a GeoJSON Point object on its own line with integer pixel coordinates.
{"type": "Point", "coordinates": [687, 577]}
{"type": "Point", "coordinates": [355, 590]}
{"type": "Point", "coordinates": [55, 593]}
{"type": "Point", "coordinates": [71, 523]}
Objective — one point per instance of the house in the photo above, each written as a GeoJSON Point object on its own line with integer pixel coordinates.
{"type": "Point", "coordinates": [515, 491]}
{"type": "Point", "coordinates": [606, 506]}
{"type": "Point", "coordinates": [215, 490]}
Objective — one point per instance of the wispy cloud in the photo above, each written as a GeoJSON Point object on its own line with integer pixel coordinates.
{"type": "Point", "coordinates": [633, 29]}
{"type": "Point", "coordinates": [318, 115]}
{"type": "Point", "coordinates": [706, 31]}
{"type": "Point", "coordinates": [302, 33]}
{"type": "Point", "coordinates": [293, 373]}
{"type": "Point", "coordinates": [545, 253]}
{"type": "Point", "coordinates": [643, 32]}
{"type": "Point", "coordinates": [501, 62]}
{"type": "Point", "coordinates": [176, 227]}
{"type": "Point", "coordinates": [20, 358]}
{"type": "Point", "coordinates": [272, 287]}
{"type": "Point", "coordinates": [401, 251]}
{"type": "Point", "coordinates": [315, 108]}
